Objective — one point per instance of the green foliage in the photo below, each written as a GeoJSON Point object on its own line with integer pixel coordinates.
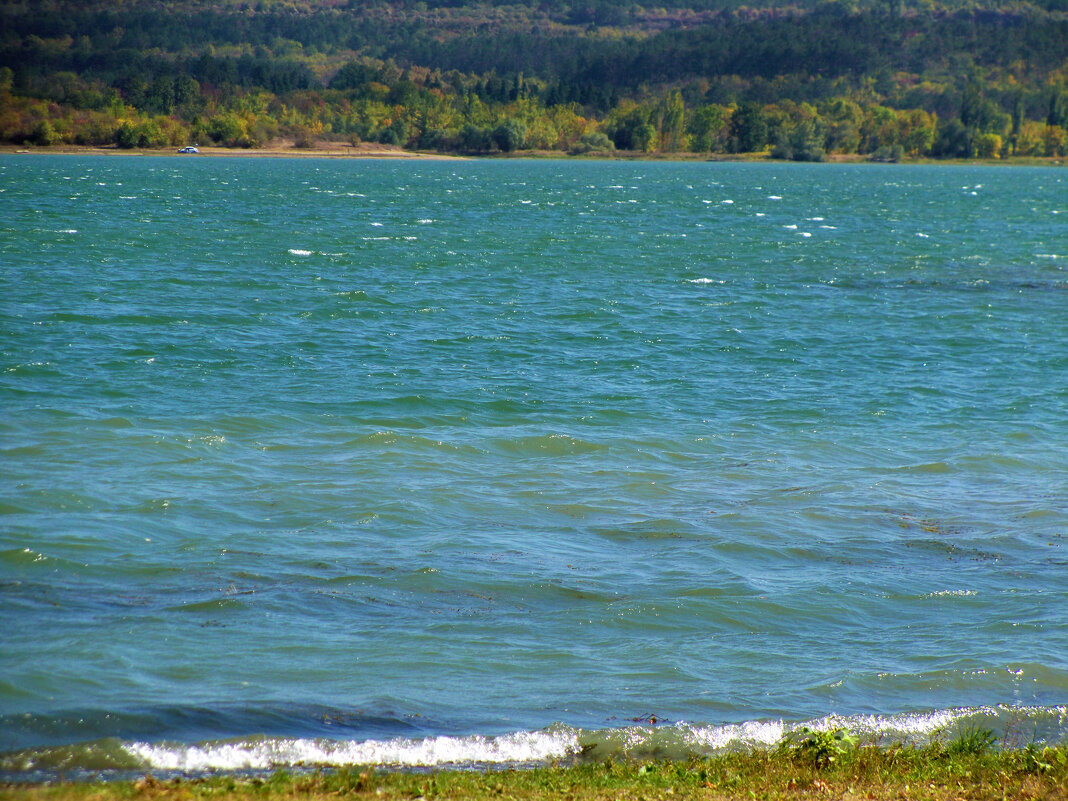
{"type": "Point", "coordinates": [594, 142]}
{"type": "Point", "coordinates": [818, 747]}
{"type": "Point", "coordinates": [474, 139]}
{"type": "Point", "coordinates": [633, 130]}
{"type": "Point", "coordinates": [946, 79]}
{"type": "Point", "coordinates": [748, 129]}
{"type": "Point", "coordinates": [705, 126]}
{"type": "Point", "coordinates": [971, 741]}
{"type": "Point", "coordinates": [44, 134]}
{"type": "Point", "coordinates": [226, 129]}
{"type": "Point", "coordinates": [509, 135]}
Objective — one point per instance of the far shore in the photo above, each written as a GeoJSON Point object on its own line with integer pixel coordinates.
{"type": "Point", "coordinates": [372, 150]}
{"type": "Point", "coordinates": [328, 150]}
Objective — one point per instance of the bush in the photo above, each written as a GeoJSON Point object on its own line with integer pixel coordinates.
{"type": "Point", "coordinates": [888, 154]}
{"type": "Point", "coordinates": [820, 748]}
{"type": "Point", "coordinates": [596, 141]}
{"type": "Point", "coordinates": [474, 139]}
{"type": "Point", "coordinates": [510, 135]}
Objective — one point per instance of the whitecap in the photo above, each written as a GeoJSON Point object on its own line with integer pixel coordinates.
{"type": "Point", "coordinates": [705, 281]}
{"type": "Point", "coordinates": [946, 593]}
{"type": "Point", "coordinates": [262, 754]}
{"type": "Point", "coordinates": [297, 252]}
{"type": "Point", "coordinates": [377, 224]}
{"type": "Point", "coordinates": [727, 202]}
{"type": "Point", "coordinates": [774, 197]}
{"type": "Point", "coordinates": [790, 227]}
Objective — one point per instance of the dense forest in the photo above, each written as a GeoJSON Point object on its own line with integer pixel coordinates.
{"type": "Point", "coordinates": [886, 79]}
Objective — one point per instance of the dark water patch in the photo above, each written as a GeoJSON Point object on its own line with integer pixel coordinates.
{"type": "Point", "coordinates": [214, 605]}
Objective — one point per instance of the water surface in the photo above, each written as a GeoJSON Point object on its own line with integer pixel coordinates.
{"type": "Point", "coordinates": [486, 461]}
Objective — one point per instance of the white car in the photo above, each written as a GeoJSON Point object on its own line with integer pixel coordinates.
{"type": "Point", "coordinates": [188, 149]}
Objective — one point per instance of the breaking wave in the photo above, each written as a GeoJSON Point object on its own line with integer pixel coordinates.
{"type": "Point", "coordinates": [649, 738]}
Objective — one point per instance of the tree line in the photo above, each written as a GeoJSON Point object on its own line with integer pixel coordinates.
{"type": "Point", "coordinates": [887, 82]}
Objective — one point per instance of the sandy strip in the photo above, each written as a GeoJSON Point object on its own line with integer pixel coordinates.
{"type": "Point", "coordinates": [328, 150]}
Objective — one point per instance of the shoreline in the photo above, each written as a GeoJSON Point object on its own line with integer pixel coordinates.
{"type": "Point", "coordinates": [324, 150]}
{"type": "Point", "coordinates": [828, 764]}
{"type": "Point", "coordinates": [368, 150]}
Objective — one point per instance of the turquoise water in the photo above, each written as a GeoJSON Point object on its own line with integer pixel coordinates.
{"type": "Point", "coordinates": [482, 462]}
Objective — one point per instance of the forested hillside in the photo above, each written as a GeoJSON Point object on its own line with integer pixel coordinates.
{"type": "Point", "coordinates": [887, 79]}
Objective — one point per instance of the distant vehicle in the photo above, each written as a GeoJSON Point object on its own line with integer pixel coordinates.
{"type": "Point", "coordinates": [188, 149]}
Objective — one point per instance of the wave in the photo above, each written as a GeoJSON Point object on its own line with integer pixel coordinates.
{"type": "Point", "coordinates": [648, 738]}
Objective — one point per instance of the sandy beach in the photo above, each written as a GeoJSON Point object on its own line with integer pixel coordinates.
{"type": "Point", "coordinates": [333, 150]}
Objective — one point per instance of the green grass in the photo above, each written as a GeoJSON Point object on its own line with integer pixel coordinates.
{"type": "Point", "coordinates": [808, 764]}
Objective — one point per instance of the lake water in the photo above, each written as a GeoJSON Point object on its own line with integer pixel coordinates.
{"type": "Point", "coordinates": [483, 462]}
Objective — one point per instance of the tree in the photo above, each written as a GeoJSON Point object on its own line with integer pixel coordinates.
{"type": "Point", "coordinates": [748, 129]}
{"type": "Point", "coordinates": [953, 141]}
{"type": "Point", "coordinates": [354, 75]}
{"type": "Point", "coordinates": [510, 135]}
{"type": "Point", "coordinates": [988, 146]}
{"type": "Point", "coordinates": [474, 139]}
{"type": "Point", "coordinates": [226, 129]}
{"type": "Point", "coordinates": [672, 113]}
{"type": "Point", "coordinates": [804, 142]}
{"type": "Point", "coordinates": [844, 119]}
{"type": "Point", "coordinates": [705, 126]}
{"type": "Point", "coordinates": [44, 134]}
{"type": "Point", "coordinates": [634, 131]}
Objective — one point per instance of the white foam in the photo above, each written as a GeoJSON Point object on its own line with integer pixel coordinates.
{"type": "Point", "coordinates": [908, 726]}
{"type": "Point", "coordinates": [557, 742]}
{"type": "Point", "coordinates": [753, 732]}
{"type": "Point", "coordinates": [705, 281]}
{"type": "Point", "coordinates": [297, 252]}
{"type": "Point", "coordinates": [945, 593]}
{"type": "Point", "coordinates": [517, 747]}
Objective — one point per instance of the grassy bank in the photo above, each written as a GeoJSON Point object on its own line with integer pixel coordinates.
{"type": "Point", "coordinates": [822, 765]}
